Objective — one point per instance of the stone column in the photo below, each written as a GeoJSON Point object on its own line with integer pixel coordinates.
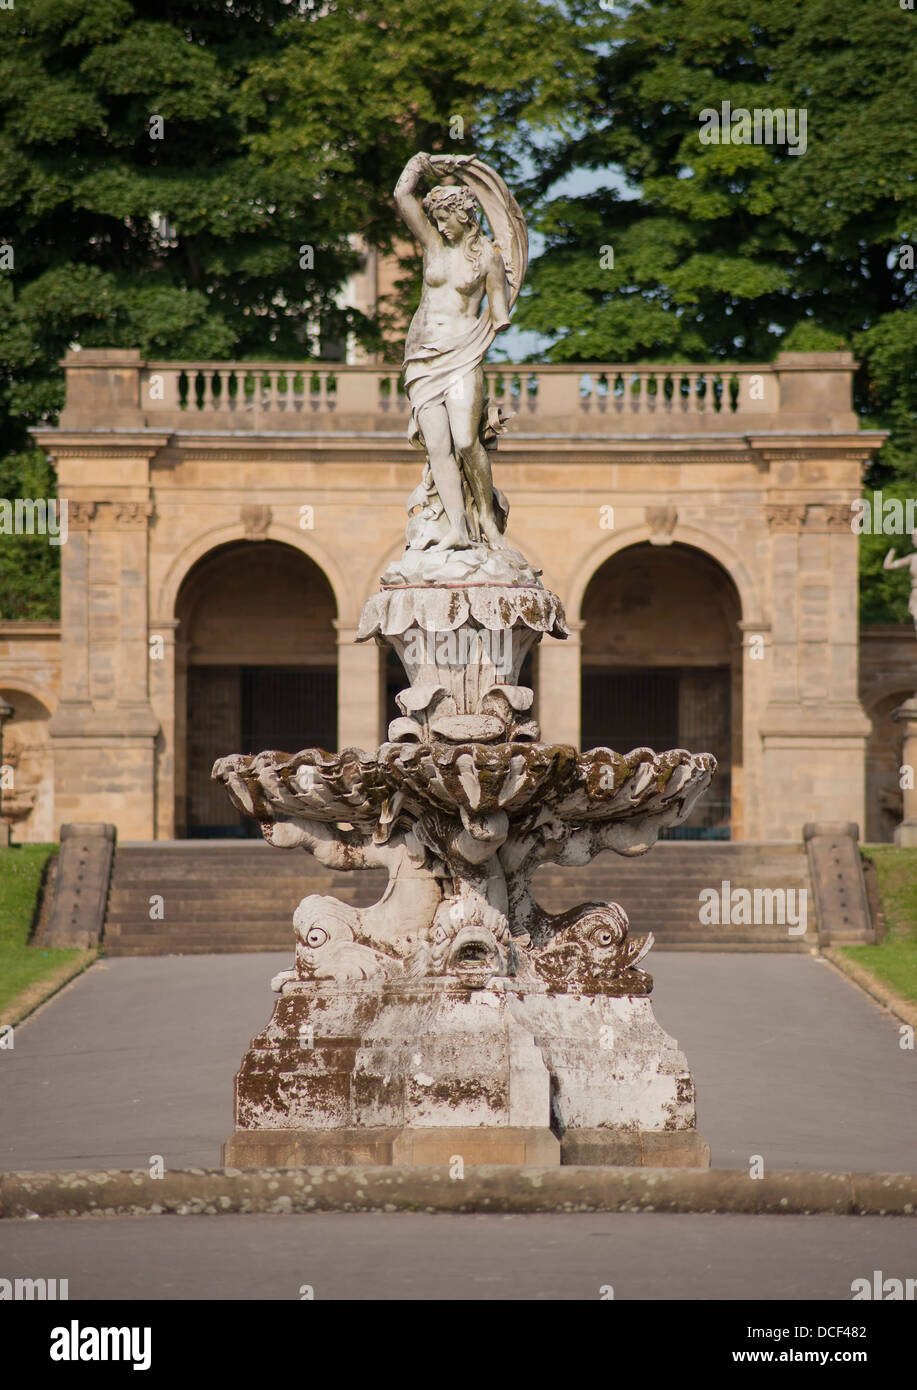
{"type": "Point", "coordinates": [360, 710]}
{"type": "Point", "coordinates": [906, 714]}
{"type": "Point", "coordinates": [557, 701]}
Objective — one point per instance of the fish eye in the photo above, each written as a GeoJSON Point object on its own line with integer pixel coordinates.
{"type": "Point", "coordinates": [316, 936]}
{"type": "Point", "coordinates": [602, 937]}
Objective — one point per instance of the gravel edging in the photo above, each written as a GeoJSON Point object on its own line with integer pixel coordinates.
{"type": "Point", "coordinates": [198, 1191]}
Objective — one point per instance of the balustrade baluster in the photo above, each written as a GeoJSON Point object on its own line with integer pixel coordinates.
{"type": "Point", "coordinates": [212, 392]}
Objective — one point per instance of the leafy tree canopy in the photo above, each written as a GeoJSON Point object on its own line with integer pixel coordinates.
{"type": "Point", "coordinates": [734, 251]}
{"type": "Point", "coordinates": [162, 165]}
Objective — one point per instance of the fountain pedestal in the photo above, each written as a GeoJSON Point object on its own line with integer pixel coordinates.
{"type": "Point", "coordinates": [425, 1074]}
{"type": "Point", "coordinates": [455, 1018]}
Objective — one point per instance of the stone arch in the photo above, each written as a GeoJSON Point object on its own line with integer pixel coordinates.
{"type": "Point", "coordinates": [206, 541]}
{"type": "Point", "coordinates": [256, 667]}
{"type": "Point", "coordinates": [747, 588]}
{"type": "Point", "coordinates": [662, 664]}
{"type": "Point", "coordinates": [28, 805]}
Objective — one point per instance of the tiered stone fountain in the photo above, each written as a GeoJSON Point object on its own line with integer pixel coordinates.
{"type": "Point", "coordinates": [455, 1018]}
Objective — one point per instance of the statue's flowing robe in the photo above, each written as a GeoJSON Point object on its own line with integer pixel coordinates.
{"type": "Point", "coordinates": [433, 369]}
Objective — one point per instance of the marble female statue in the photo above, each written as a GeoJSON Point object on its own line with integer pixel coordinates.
{"type": "Point", "coordinates": [906, 562]}
{"type": "Point", "coordinates": [450, 333]}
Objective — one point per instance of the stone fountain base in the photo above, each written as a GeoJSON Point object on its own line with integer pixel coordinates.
{"type": "Point", "coordinates": [421, 1073]}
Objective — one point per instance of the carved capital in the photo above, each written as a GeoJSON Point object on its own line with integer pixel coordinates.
{"type": "Point", "coordinates": [103, 515]}
{"type": "Point", "coordinates": [80, 514]}
{"type": "Point", "coordinates": [131, 513]}
{"type": "Point", "coordinates": [785, 516]}
{"type": "Point", "coordinates": [829, 516]}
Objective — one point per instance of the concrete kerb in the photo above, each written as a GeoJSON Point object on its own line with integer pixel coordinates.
{"type": "Point", "coordinates": [504, 1189]}
{"type": "Point", "coordinates": [870, 984]}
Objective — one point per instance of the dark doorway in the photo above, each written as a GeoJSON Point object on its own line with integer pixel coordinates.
{"type": "Point", "coordinates": [662, 708]}
{"type": "Point", "coordinates": [250, 709]}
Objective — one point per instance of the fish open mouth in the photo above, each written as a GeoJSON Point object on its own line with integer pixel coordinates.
{"type": "Point", "coordinates": [475, 957]}
{"type": "Point", "coordinates": [473, 952]}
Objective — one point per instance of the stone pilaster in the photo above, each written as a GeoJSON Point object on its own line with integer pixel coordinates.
{"type": "Point", "coordinates": [756, 662]}
{"type": "Point", "coordinates": [813, 729]}
{"type": "Point", "coordinates": [558, 697]}
{"type": "Point", "coordinates": [360, 707]}
{"type": "Point", "coordinates": [104, 729]}
{"type": "Point", "coordinates": [163, 692]}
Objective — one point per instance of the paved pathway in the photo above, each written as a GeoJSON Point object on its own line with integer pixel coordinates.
{"type": "Point", "coordinates": [419, 1256]}
{"type": "Point", "coordinates": [137, 1056]}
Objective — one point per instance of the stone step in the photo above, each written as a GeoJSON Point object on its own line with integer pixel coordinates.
{"type": "Point", "coordinates": [133, 903]}
{"type": "Point", "coordinates": [224, 896]}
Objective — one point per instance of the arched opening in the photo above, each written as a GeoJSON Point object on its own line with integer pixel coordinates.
{"type": "Point", "coordinates": [884, 757]}
{"type": "Point", "coordinates": [256, 669]}
{"type": "Point", "coordinates": [662, 666]}
{"type": "Point", "coordinates": [26, 771]}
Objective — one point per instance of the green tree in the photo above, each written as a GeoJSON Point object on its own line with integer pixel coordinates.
{"type": "Point", "coordinates": [29, 566]}
{"type": "Point", "coordinates": [163, 167]}
{"type": "Point", "coordinates": [734, 251]}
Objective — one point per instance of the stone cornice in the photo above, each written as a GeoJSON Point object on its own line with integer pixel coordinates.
{"type": "Point", "coordinates": [715, 446]}
{"type": "Point", "coordinates": [89, 444]}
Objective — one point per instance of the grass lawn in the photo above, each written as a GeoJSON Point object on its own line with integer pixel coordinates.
{"type": "Point", "coordinates": [27, 973]}
{"type": "Point", "coordinates": [894, 960]}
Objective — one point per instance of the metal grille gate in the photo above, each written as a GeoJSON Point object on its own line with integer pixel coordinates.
{"type": "Point", "coordinates": [667, 707]}
{"type": "Point", "coordinates": [248, 709]}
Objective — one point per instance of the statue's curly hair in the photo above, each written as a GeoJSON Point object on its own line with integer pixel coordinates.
{"type": "Point", "coordinates": [457, 198]}
{"type": "Point", "coordinates": [452, 198]}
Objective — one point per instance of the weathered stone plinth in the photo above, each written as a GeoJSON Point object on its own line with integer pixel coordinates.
{"type": "Point", "coordinates": [421, 1074]}
{"type": "Point", "coordinates": [535, 1147]}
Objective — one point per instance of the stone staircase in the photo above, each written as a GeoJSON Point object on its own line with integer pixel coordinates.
{"type": "Point", "coordinates": [218, 895]}
{"type": "Point", "coordinates": [239, 895]}
{"type": "Point", "coordinates": [660, 891]}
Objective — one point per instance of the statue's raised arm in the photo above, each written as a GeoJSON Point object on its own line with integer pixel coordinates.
{"type": "Point", "coordinates": [470, 284]}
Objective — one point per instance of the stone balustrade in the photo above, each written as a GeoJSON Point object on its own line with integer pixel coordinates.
{"type": "Point", "coordinates": [799, 391]}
